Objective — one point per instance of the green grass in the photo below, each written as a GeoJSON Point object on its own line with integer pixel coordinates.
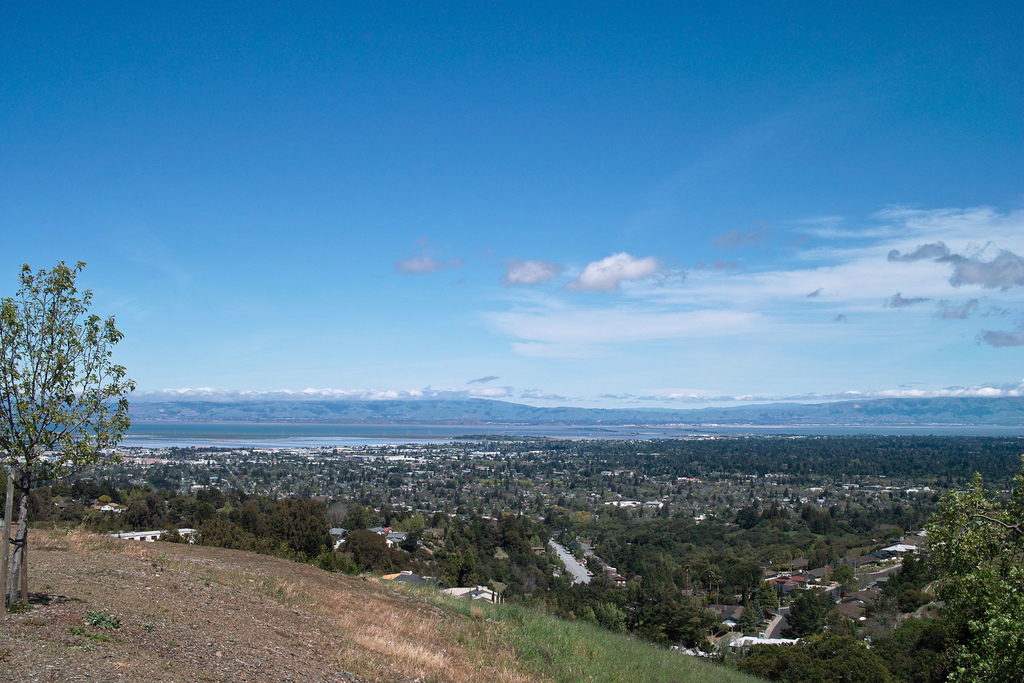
{"type": "Point", "coordinates": [83, 631]}
{"type": "Point", "coordinates": [580, 651]}
{"type": "Point", "coordinates": [102, 619]}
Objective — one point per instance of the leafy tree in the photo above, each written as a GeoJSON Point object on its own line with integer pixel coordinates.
{"type": "Point", "coordinates": [411, 542]}
{"type": "Point", "coordinates": [609, 616]}
{"type": "Point", "coordinates": [336, 562]}
{"type": "Point", "coordinates": [656, 611]}
{"type": "Point", "coordinates": [60, 392]}
{"type": "Point", "coordinates": [221, 533]}
{"type": "Point", "coordinates": [302, 524]}
{"type": "Point", "coordinates": [843, 575]}
{"type": "Point", "coordinates": [252, 520]}
{"type": "Point", "coordinates": [978, 548]}
{"type": "Point", "coordinates": [750, 621]}
{"type": "Point", "coordinates": [903, 589]}
{"type": "Point", "coordinates": [835, 622]}
{"type": "Point", "coordinates": [918, 651]}
{"type": "Point", "coordinates": [369, 550]}
{"type": "Point", "coordinates": [414, 524]}
{"type": "Point", "coordinates": [358, 517]}
{"type": "Point", "coordinates": [748, 517]}
{"type": "Point", "coordinates": [767, 597]}
{"type": "Point", "coordinates": [459, 569]}
{"type": "Point", "coordinates": [824, 658]}
{"type": "Point", "coordinates": [139, 516]}
{"type": "Point", "coordinates": [808, 613]}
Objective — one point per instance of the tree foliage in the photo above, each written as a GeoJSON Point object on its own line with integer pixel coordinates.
{"type": "Point", "coordinates": [302, 523]}
{"type": "Point", "coordinates": [767, 597]}
{"type": "Point", "coordinates": [371, 552]}
{"type": "Point", "coordinates": [978, 548]}
{"type": "Point", "coordinates": [826, 657]}
{"type": "Point", "coordinates": [843, 575]}
{"type": "Point", "coordinates": [61, 394]}
{"type": "Point", "coordinates": [808, 613]}
{"type": "Point", "coordinates": [918, 651]}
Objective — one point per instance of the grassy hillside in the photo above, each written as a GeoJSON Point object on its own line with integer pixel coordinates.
{"type": "Point", "coordinates": [207, 614]}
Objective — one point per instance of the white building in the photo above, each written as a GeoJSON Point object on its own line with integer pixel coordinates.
{"type": "Point", "coordinates": [478, 593]}
{"type": "Point", "coordinates": [150, 536]}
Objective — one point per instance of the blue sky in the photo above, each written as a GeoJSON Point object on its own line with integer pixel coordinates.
{"type": "Point", "coordinates": [613, 205]}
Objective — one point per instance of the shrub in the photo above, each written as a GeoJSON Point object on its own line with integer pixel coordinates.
{"type": "Point", "coordinates": [102, 619]}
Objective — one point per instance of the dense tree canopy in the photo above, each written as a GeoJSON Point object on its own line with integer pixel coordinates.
{"type": "Point", "coordinates": [826, 657]}
{"type": "Point", "coordinates": [808, 613]}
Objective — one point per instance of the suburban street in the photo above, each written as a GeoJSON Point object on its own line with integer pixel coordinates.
{"type": "Point", "coordinates": [774, 629]}
{"type": "Point", "coordinates": [578, 571]}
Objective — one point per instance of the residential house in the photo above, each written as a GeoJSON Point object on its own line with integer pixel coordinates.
{"type": "Point", "coordinates": [150, 536]}
{"type": "Point", "coordinates": [476, 593]}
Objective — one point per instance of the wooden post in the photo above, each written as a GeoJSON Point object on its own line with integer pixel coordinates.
{"type": "Point", "coordinates": [24, 571]}
{"type": "Point", "coordinates": [5, 551]}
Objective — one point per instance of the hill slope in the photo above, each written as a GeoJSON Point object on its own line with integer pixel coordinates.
{"type": "Point", "coordinates": [208, 614]}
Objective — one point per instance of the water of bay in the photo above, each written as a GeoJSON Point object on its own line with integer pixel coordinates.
{"type": "Point", "coordinates": [293, 434]}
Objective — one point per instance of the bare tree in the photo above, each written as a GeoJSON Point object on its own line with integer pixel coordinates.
{"type": "Point", "coordinates": [63, 401]}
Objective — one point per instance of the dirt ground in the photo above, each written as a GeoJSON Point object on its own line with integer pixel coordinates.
{"type": "Point", "coordinates": [206, 614]}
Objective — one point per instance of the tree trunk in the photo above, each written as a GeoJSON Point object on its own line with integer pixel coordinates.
{"type": "Point", "coordinates": [20, 540]}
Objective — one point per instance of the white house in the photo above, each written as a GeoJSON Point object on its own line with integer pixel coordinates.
{"type": "Point", "coordinates": [150, 536]}
{"type": "Point", "coordinates": [478, 593]}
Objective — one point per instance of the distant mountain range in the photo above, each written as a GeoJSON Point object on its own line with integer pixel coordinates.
{"type": "Point", "coordinates": [904, 411]}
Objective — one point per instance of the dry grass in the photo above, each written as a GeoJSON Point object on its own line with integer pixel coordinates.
{"type": "Point", "coordinates": [193, 613]}
{"type": "Point", "coordinates": [211, 614]}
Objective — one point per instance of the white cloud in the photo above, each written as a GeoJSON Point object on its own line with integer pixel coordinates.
{"type": "Point", "coordinates": [607, 274]}
{"type": "Point", "coordinates": [765, 313]}
{"type": "Point", "coordinates": [978, 391]}
{"type": "Point", "coordinates": [535, 272]}
{"type": "Point", "coordinates": [861, 275]}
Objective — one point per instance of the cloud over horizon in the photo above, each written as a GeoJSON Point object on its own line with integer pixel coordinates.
{"type": "Point", "coordinates": [1009, 390]}
{"type": "Point", "coordinates": [988, 390]}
